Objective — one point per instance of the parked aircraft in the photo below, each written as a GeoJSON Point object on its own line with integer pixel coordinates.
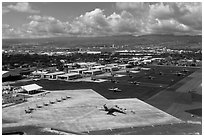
{"type": "Point", "coordinates": [58, 100]}
{"type": "Point", "coordinates": [38, 106]}
{"type": "Point", "coordinates": [63, 98]}
{"type": "Point", "coordinates": [114, 81]}
{"type": "Point", "coordinates": [28, 111]}
{"type": "Point", "coordinates": [179, 74]}
{"type": "Point", "coordinates": [51, 102]}
{"type": "Point", "coordinates": [45, 104]}
{"type": "Point", "coordinates": [135, 82]}
{"type": "Point", "coordinates": [112, 110]}
{"type": "Point", "coordinates": [68, 97]}
{"type": "Point", "coordinates": [115, 89]}
{"type": "Point", "coordinates": [185, 70]}
{"type": "Point", "coordinates": [161, 73]}
{"type": "Point", "coordinates": [150, 77]}
{"type": "Point", "coordinates": [94, 79]}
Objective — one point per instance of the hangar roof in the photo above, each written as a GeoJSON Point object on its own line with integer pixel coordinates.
{"type": "Point", "coordinates": [31, 87]}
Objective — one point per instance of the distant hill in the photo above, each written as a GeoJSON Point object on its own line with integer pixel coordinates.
{"type": "Point", "coordinates": [170, 41]}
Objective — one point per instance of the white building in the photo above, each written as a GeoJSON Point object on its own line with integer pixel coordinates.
{"type": "Point", "coordinates": [93, 52]}
{"type": "Point", "coordinates": [93, 72]}
{"type": "Point", "coordinates": [53, 75]}
{"type": "Point", "coordinates": [101, 67]}
{"type": "Point", "coordinates": [110, 69]}
{"type": "Point", "coordinates": [32, 88]}
{"type": "Point", "coordinates": [39, 73]}
{"type": "Point", "coordinates": [123, 66]}
{"type": "Point", "coordinates": [69, 76]}
{"type": "Point", "coordinates": [79, 71]}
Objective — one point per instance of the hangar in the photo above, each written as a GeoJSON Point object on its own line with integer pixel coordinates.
{"type": "Point", "coordinates": [32, 88]}
{"type": "Point", "coordinates": [101, 67]}
{"type": "Point", "coordinates": [110, 69]}
{"type": "Point", "coordinates": [69, 76]}
{"type": "Point", "coordinates": [93, 72]}
{"type": "Point", "coordinates": [79, 71]}
{"type": "Point", "coordinates": [53, 75]}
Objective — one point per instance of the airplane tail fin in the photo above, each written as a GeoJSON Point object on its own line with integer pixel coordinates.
{"type": "Point", "coordinates": [105, 107]}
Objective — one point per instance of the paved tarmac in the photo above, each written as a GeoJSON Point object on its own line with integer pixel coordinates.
{"type": "Point", "coordinates": [82, 112]}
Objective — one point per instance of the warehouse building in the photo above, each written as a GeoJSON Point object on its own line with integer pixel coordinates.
{"type": "Point", "coordinates": [78, 71]}
{"type": "Point", "coordinates": [53, 75]}
{"type": "Point", "coordinates": [101, 67]}
{"type": "Point", "coordinates": [110, 69]}
{"type": "Point", "coordinates": [32, 88]}
{"type": "Point", "coordinates": [69, 76]}
{"type": "Point", "coordinates": [93, 72]}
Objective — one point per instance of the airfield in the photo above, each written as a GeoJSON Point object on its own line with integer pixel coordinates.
{"type": "Point", "coordinates": [158, 106]}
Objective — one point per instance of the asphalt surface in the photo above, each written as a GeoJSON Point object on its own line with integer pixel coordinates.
{"type": "Point", "coordinates": [171, 99]}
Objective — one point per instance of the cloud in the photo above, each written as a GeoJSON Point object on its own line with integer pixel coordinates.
{"type": "Point", "coordinates": [96, 23]}
{"type": "Point", "coordinates": [10, 32]}
{"type": "Point", "coordinates": [46, 25]}
{"type": "Point", "coordinates": [131, 18]}
{"type": "Point", "coordinates": [91, 23]}
{"type": "Point", "coordinates": [177, 16]}
{"type": "Point", "coordinates": [20, 7]}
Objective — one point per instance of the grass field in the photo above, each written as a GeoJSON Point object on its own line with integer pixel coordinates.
{"type": "Point", "coordinates": [145, 90]}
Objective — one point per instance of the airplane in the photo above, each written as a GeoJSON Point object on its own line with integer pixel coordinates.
{"type": "Point", "coordinates": [63, 98]}
{"type": "Point", "coordinates": [113, 109]}
{"type": "Point", "coordinates": [51, 102]}
{"type": "Point", "coordinates": [150, 77]}
{"type": "Point", "coordinates": [68, 97]}
{"type": "Point", "coordinates": [45, 104]}
{"type": "Point", "coordinates": [185, 70]}
{"type": "Point", "coordinates": [172, 80]}
{"type": "Point", "coordinates": [38, 106]}
{"type": "Point", "coordinates": [36, 79]}
{"type": "Point", "coordinates": [28, 111]}
{"type": "Point", "coordinates": [160, 73]}
{"type": "Point", "coordinates": [131, 76]}
{"type": "Point", "coordinates": [31, 109]}
{"type": "Point", "coordinates": [135, 82]}
{"type": "Point", "coordinates": [114, 81]}
{"type": "Point", "coordinates": [94, 79]}
{"type": "Point", "coordinates": [115, 89]}
{"type": "Point", "coordinates": [58, 100]}
{"type": "Point", "coordinates": [113, 74]}
{"type": "Point", "coordinates": [179, 74]}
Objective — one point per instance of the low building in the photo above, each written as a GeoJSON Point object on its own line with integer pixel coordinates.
{"type": "Point", "coordinates": [146, 61]}
{"type": "Point", "coordinates": [69, 76]}
{"type": "Point", "coordinates": [93, 72]}
{"type": "Point", "coordinates": [78, 71]}
{"type": "Point", "coordinates": [101, 67]}
{"type": "Point", "coordinates": [110, 69]}
{"type": "Point", "coordinates": [123, 66]}
{"type": "Point", "coordinates": [112, 65]}
{"type": "Point", "coordinates": [39, 73]}
{"type": "Point", "coordinates": [32, 88]}
{"type": "Point", "coordinates": [53, 75]}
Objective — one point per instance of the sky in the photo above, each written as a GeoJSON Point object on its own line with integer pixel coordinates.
{"type": "Point", "coordinates": [90, 19]}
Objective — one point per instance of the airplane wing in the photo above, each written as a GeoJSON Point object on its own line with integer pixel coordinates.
{"type": "Point", "coordinates": [119, 111]}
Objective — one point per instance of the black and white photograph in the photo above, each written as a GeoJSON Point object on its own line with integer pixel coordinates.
{"type": "Point", "coordinates": [101, 68]}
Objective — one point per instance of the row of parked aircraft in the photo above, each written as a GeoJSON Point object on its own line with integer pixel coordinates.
{"type": "Point", "coordinates": [30, 110]}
